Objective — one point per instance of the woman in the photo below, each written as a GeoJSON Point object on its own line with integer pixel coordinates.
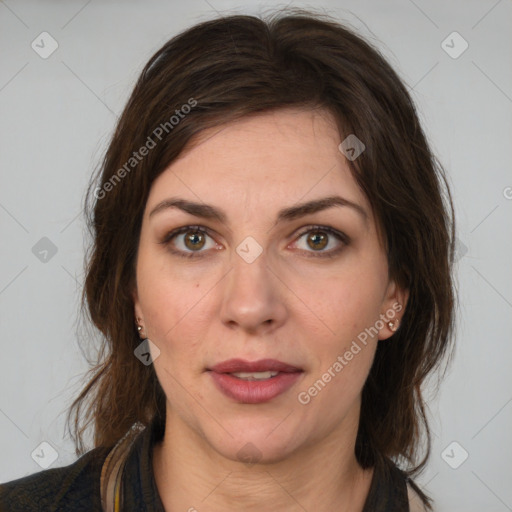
{"type": "Point", "coordinates": [271, 272]}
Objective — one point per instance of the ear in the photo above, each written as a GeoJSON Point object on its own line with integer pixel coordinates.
{"type": "Point", "coordinates": [136, 306]}
{"type": "Point", "coordinates": [393, 309]}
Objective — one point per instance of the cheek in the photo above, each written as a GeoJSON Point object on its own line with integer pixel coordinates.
{"type": "Point", "coordinates": [344, 351]}
{"type": "Point", "coordinates": [350, 303]}
{"type": "Point", "coordinates": [335, 386]}
{"type": "Point", "coordinates": [169, 299]}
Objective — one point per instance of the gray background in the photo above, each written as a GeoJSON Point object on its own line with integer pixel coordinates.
{"type": "Point", "coordinates": [58, 113]}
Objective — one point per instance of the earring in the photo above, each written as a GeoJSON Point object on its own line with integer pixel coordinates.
{"type": "Point", "coordinates": [139, 329]}
{"type": "Point", "coordinates": [393, 325]}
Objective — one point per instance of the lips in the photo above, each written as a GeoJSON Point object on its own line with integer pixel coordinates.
{"type": "Point", "coordinates": [254, 382]}
{"type": "Point", "coordinates": [263, 365]}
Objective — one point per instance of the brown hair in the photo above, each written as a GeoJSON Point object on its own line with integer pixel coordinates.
{"type": "Point", "coordinates": [233, 67]}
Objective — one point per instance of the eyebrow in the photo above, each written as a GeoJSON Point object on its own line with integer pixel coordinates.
{"type": "Point", "coordinates": [206, 211]}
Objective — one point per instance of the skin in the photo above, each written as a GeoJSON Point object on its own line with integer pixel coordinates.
{"type": "Point", "coordinates": [291, 304]}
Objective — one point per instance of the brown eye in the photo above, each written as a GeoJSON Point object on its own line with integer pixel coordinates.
{"type": "Point", "coordinates": [194, 240]}
{"type": "Point", "coordinates": [317, 240]}
{"type": "Point", "coordinates": [322, 241]}
{"type": "Point", "coordinates": [189, 241]}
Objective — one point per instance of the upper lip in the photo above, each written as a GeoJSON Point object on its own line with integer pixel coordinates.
{"type": "Point", "coordinates": [262, 365]}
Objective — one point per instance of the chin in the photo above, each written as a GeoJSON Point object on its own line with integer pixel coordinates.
{"type": "Point", "coordinates": [254, 452]}
{"type": "Point", "coordinates": [254, 442]}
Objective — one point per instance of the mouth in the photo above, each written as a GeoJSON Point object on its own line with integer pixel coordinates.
{"type": "Point", "coordinates": [254, 375]}
{"type": "Point", "coordinates": [254, 382]}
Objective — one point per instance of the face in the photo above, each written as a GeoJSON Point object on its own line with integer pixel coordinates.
{"type": "Point", "coordinates": [244, 255]}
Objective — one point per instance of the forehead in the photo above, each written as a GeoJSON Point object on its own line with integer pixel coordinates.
{"type": "Point", "coordinates": [269, 160]}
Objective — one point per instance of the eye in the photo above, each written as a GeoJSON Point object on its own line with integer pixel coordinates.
{"type": "Point", "coordinates": [322, 240]}
{"type": "Point", "coordinates": [189, 240]}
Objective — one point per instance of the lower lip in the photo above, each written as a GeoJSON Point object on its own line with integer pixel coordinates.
{"type": "Point", "coordinates": [254, 391]}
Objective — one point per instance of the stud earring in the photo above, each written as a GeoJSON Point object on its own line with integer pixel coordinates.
{"type": "Point", "coordinates": [139, 329]}
{"type": "Point", "coordinates": [393, 325]}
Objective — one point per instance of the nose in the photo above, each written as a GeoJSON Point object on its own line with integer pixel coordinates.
{"type": "Point", "coordinates": [253, 297]}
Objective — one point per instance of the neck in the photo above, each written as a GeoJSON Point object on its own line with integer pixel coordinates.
{"type": "Point", "coordinates": [192, 476]}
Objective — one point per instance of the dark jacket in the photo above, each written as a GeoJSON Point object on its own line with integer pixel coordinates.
{"type": "Point", "coordinates": [76, 488]}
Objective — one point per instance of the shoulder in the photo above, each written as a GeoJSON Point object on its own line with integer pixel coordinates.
{"type": "Point", "coordinates": [393, 489]}
{"type": "Point", "coordinates": [75, 487]}
{"type": "Point", "coordinates": [412, 498]}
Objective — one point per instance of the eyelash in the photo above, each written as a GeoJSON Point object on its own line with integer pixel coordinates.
{"type": "Point", "coordinates": [205, 231]}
